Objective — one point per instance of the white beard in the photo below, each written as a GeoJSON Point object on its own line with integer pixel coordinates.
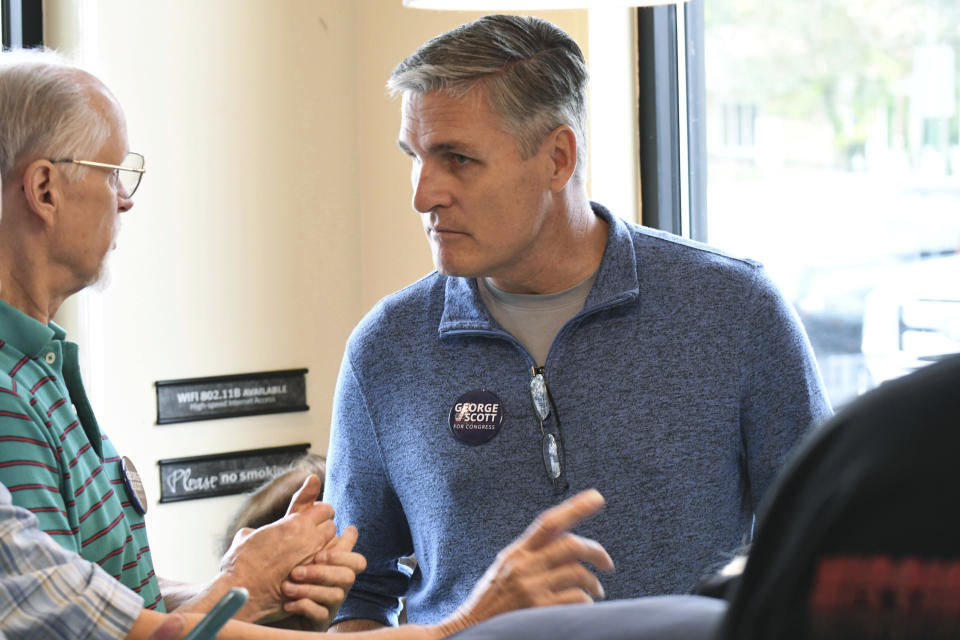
{"type": "Point", "coordinates": [102, 279]}
{"type": "Point", "coordinates": [103, 276]}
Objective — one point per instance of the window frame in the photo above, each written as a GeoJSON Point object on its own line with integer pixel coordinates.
{"type": "Point", "coordinates": [672, 118]}
{"type": "Point", "coordinates": [22, 24]}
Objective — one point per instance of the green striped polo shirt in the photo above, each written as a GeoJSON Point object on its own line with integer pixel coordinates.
{"type": "Point", "coordinates": [55, 461]}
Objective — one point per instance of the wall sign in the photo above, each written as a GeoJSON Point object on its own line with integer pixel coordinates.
{"type": "Point", "coordinates": [224, 474]}
{"type": "Point", "coordinates": [245, 394]}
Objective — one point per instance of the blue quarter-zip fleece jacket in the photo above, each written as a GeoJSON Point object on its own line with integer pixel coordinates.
{"type": "Point", "coordinates": [679, 390]}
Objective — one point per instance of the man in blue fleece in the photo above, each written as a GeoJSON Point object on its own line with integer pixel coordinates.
{"type": "Point", "coordinates": [555, 348]}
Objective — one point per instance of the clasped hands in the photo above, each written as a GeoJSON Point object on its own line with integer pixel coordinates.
{"type": "Point", "coordinates": [297, 565]}
{"type": "Point", "coordinates": [301, 566]}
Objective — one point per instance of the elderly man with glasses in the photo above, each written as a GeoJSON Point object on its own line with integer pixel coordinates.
{"type": "Point", "coordinates": [68, 176]}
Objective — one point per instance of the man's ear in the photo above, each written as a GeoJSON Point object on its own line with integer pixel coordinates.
{"type": "Point", "coordinates": [42, 186]}
{"type": "Point", "coordinates": [563, 153]}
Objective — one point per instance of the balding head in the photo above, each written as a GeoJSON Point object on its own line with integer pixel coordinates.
{"type": "Point", "coordinates": [49, 108]}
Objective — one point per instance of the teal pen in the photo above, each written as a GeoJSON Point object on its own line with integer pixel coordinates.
{"type": "Point", "coordinates": [218, 616]}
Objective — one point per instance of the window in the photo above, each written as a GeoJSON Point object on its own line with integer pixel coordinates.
{"type": "Point", "coordinates": [832, 156]}
{"type": "Point", "coordinates": [738, 129]}
{"type": "Point", "coordinates": [22, 23]}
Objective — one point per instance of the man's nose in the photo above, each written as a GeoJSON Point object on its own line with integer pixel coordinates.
{"type": "Point", "coordinates": [124, 202]}
{"type": "Point", "coordinates": [431, 188]}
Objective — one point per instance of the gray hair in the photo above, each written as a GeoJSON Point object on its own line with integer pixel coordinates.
{"type": "Point", "coordinates": [532, 75]}
{"type": "Point", "coordinates": [45, 111]}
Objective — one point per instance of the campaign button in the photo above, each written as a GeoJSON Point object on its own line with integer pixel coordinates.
{"type": "Point", "coordinates": [476, 416]}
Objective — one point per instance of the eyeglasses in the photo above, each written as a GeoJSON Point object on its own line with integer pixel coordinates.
{"type": "Point", "coordinates": [551, 440]}
{"type": "Point", "coordinates": [128, 172]}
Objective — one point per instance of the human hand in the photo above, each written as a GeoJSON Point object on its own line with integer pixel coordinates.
{"type": "Point", "coordinates": [542, 567]}
{"type": "Point", "coordinates": [306, 496]}
{"type": "Point", "coordinates": [261, 559]}
{"type": "Point", "coordinates": [170, 629]}
{"type": "Point", "coordinates": [317, 590]}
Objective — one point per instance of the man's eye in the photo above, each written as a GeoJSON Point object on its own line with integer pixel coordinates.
{"type": "Point", "coordinates": [460, 159]}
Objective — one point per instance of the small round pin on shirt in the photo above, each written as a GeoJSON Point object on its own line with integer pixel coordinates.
{"type": "Point", "coordinates": [131, 480]}
{"type": "Point", "coordinates": [476, 416]}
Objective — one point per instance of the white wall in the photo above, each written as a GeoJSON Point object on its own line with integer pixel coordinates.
{"type": "Point", "coordinates": [241, 253]}
{"type": "Point", "coordinates": [274, 212]}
